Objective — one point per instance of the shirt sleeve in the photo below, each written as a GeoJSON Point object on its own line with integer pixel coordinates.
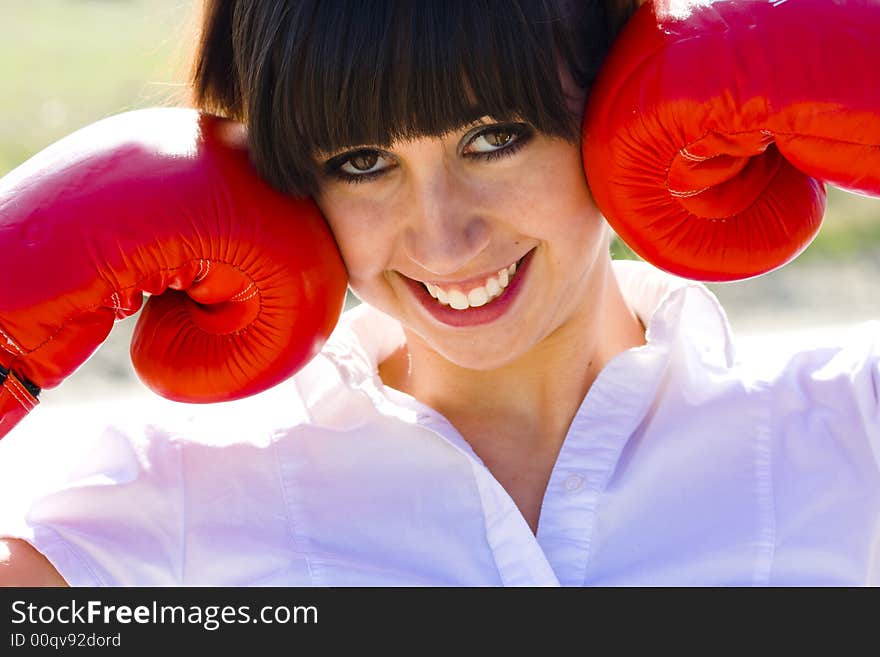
{"type": "Point", "coordinates": [827, 399]}
{"type": "Point", "coordinates": [100, 498]}
{"type": "Point", "coordinates": [867, 383]}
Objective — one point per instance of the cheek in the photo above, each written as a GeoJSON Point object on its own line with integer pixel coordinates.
{"type": "Point", "coordinates": [555, 199]}
{"type": "Point", "coordinates": [361, 235]}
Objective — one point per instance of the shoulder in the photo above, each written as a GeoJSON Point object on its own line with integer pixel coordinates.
{"type": "Point", "coordinates": [22, 565]}
{"type": "Point", "coordinates": [823, 399]}
{"type": "Point", "coordinates": [109, 496]}
{"type": "Point", "coordinates": [821, 367]}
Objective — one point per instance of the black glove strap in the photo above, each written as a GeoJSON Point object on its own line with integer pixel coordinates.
{"type": "Point", "coordinates": [30, 387]}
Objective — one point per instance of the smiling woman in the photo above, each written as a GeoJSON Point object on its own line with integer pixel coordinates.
{"type": "Point", "coordinates": [437, 171]}
{"type": "Point", "coordinates": [507, 405]}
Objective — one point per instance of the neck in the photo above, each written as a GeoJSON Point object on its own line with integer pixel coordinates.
{"type": "Point", "coordinates": [533, 399]}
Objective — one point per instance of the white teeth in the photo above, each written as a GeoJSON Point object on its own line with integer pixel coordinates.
{"type": "Point", "coordinates": [457, 300]}
{"type": "Point", "coordinates": [479, 296]}
{"type": "Point", "coordinates": [503, 278]}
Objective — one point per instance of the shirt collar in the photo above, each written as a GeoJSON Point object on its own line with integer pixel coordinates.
{"type": "Point", "coordinates": [677, 309]}
{"type": "Point", "coordinates": [669, 307]}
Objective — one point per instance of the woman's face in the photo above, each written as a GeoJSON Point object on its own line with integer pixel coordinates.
{"type": "Point", "coordinates": [456, 212]}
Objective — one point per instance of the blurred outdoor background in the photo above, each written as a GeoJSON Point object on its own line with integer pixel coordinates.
{"type": "Point", "coordinates": [67, 63]}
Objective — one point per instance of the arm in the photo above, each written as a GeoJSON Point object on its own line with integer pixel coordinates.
{"type": "Point", "coordinates": [22, 565]}
{"type": "Point", "coordinates": [246, 283]}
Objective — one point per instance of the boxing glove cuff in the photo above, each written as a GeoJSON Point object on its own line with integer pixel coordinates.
{"type": "Point", "coordinates": [17, 398]}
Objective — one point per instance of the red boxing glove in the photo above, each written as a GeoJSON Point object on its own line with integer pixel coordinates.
{"type": "Point", "coordinates": [712, 126]}
{"type": "Point", "coordinates": [246, 283]}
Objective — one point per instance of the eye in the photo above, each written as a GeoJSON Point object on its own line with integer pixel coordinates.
{"type": "Point", "coordinates": [497, 141]}
{"type": "Point", "coordinates": [363, 162]}
{"type": "Point", "coordinates": [359, 166]}
{"type": "Point", "coordinates": [492, 140]}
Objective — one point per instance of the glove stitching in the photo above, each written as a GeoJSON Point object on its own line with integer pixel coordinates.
{"type": "Point", "coordinates": [676, 194]}
{"type": "Point", "coordinates": [247, 289]}
{"type": "Point", "coordinates": [12, 392]}
{"type": "Point", "coordinates": [685, 153]}
{"type": "Point", "coordinates": [117, 303]}
{"type": "Point", "coordinates": [200, 274]}
{"type": "Point", "coordinates": [137, 285]}
{"type": "Point", "coordinates": [11, 385]}
{"type": "Point", "coordinates": [12, 342]}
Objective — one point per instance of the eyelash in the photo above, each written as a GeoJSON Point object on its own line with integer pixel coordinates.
{"type": "Point", "coordinates": [521, 132]}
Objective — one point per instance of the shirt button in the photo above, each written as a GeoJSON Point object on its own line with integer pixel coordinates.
{"type": "Point", "coordinates": [573, 483]}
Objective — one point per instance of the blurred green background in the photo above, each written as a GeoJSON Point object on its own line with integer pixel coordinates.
{"type": "Point", "coordinates": [67, 63]}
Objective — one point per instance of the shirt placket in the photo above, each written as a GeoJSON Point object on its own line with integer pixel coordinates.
{"type": "Point", "coordinates": [610, 413]}
{"type": "Point", "coordinates": [518, 556]}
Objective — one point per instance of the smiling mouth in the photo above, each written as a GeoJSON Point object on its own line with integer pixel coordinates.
{"type": "Point", "coordinates": [477, 295]}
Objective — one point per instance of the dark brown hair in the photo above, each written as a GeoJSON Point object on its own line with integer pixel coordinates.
{"type": "Point", "coordinates": [309, 75]}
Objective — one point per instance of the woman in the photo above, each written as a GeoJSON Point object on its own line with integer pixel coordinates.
{"type": "Point", "coordinates": [494, 412]}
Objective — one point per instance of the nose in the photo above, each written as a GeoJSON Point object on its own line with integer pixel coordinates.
{"type": "Point", "coordinates": [444, 229]}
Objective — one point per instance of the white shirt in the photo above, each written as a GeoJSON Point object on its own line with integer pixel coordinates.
{"type": "Point", "coordinates": [681, 467]}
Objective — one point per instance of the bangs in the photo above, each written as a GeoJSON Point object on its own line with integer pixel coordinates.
{"type": "Point", "coordinates": [316, 78]}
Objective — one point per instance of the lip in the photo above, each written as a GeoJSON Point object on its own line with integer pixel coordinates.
{"type": "Point", "coordinates": [473, 316]}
